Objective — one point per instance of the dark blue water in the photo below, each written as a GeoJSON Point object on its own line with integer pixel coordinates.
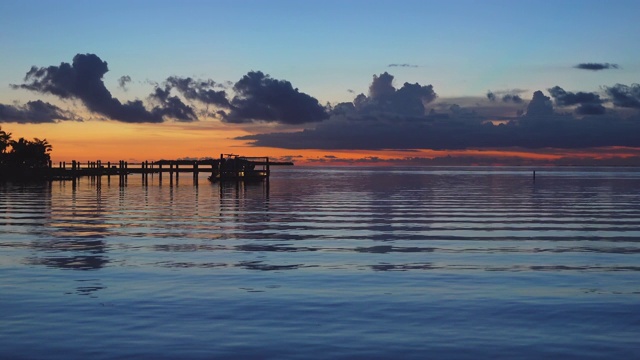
{"type": "Point", "coordinates": [448, 263]}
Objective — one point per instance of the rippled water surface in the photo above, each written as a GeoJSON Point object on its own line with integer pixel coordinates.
{"type": "Point", "coordinates": [325, 263]}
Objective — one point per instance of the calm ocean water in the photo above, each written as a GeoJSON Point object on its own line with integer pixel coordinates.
{"type": "Point", "coordinates": [447, 263]}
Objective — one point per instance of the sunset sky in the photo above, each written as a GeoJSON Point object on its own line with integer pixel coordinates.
{"type": "Point", "coordinates": [331, 82]}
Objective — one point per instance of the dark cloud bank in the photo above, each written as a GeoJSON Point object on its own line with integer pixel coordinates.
{"type": "Point", "coordinates": [256, 97]}
{"type": "Point", "coordinates": [261, 98]}
{"type": "Point", "coordinates": [35, 112]}
{"type": "Point", "coordinates": [390, 118]}
{"type": "Point", "coordinates": [82, 80]}
{"type": "Point", "coordinates": [387, 117]}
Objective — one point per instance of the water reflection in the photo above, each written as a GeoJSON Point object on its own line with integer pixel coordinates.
{"type": "Point", "coordinates": [372, 220]}
{"type": "Point", "coordinates": [76, 232]}
{"type": "Point", "coordinates": [66, 232]}
{"type": "Point", "coordinates": [77, 262]}
{"type": "Point", "coordinates": [242, 189]}
{"type": "Point", "coordinates": [385, 249]}
{"type": "Point", "coordinates": [271, 248]}
{"type": "Point", "coordinates": [260, 265]}
{"type": "Point", "coordinates": [402, 267]}
{"type": "Point", "coordinates": [88, 287]}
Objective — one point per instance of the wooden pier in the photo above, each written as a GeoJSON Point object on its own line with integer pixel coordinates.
{"type": "Point", "coordinates": [228, 167]}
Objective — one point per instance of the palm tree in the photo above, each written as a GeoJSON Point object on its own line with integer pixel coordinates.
{"type": "Point", "coordinates": [29, 154]}
{"type": "Point", "coordinates": [42, 145]}
{"type": "Point", "coordinates": [26, 159]}
{"type": "Point", "coordinates": [5, 139]}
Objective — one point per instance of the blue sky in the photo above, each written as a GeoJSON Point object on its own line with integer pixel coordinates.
{"type": "Point", "coordinates": [327, 47]}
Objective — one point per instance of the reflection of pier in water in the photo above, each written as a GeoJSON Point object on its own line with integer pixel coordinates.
{"type": "Point", "coordinates": [69, 236]}
{"type": "Point", "coordinates": [79, 223]}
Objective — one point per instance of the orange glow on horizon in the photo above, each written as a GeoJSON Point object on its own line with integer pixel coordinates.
{"type": "Point", "coordinates": [113, 141]}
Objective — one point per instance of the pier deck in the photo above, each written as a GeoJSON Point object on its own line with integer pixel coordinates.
{"type": "Point", "coordinates": [231, 167]}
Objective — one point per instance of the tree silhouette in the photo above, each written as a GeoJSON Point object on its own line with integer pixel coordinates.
{"type": "Point", "coordinates": [23, 159]}
{"type": "Point", "coordinates": [5, 138]}
{"type": "Point", "coordinates": [5, 141]}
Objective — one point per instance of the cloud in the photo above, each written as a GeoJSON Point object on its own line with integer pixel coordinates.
{"type": "Point", "coordinates": [123, 81]}
{"type": "Point", "coordinates": [33, 112]}
{"type": "Point", "coordinates": [506, 96]}
{"type": "Point", "coordinates": [258, 97]}
{"type": "Point", "coordinates": [540, 105]}
{"type": "Point", "coordinates": [448, 133]}
{"type": "Point", "coordinates": [199, 90]}
{"type": "Point", "coordinates": [409, 100]}
{"type": "Point", "coordinates": [596, 66]}
{"type": "Point", "coordinates": [382, 87]}
{"type": "Point", "coordinates": [386, 117]}
{"type": "Point", "coordinates": [495, 110]}
{"type": "Point", "coordinates": [403, 65]}
{"type": "Point", "coordinates": [172, 106]}
{"type": "Point", "coordinates": [512, 98]}
{"type": "Point", "coordinates": [624, 95]}
{"type": "Point", "coordinates": [588, 103]}
{"type": "Point", "coordinates": [590, 109]}
{"type": "Point", "coordinates": [82, 79]}
{"type": "Point", "coordinates": [461, 128]}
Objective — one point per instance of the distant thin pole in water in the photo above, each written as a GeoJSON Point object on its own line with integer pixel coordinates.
{"type": "Point", "coordinates": [534, 175]}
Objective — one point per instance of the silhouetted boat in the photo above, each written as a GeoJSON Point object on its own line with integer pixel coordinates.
{"type": "Point", "coordinates": [239, 168]}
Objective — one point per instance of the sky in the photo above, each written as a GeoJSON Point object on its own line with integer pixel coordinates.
{"type": "Point", "coordinates": [325, 82]}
